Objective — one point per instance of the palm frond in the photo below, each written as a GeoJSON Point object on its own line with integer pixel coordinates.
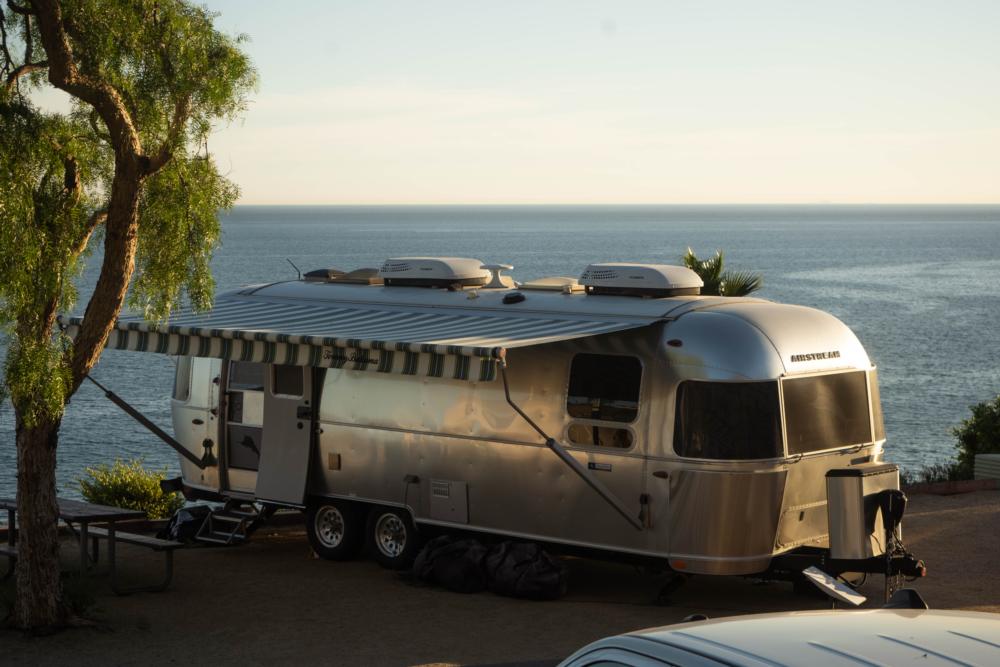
{"type": "Point", "coordinates": [718, 281]}
{"type": "Point", "coordinates": [709, 270]}
{"type": "Point", "coordinates": [740, 283]}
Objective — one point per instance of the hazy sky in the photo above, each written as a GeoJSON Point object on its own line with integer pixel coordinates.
{"type": "Point", "coordinates": [618, 102]}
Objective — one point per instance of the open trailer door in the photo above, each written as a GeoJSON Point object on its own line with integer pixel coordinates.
{"type": "Point", "coordinates": [287, 439]}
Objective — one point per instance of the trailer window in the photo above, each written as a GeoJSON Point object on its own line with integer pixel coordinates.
{"type": "Point", "coordinates": [244, 446]}
{"type": "Point", "coordinates": [246, 375]}
{"type": "Point", "coordinates": [288, 380]}
{"type": "Point", "coordinates": [727, 420]}
{"type": "Point", "coordinates": [826, 412]}
{"type": "Point", "coordinates": [604, 387]}
{"type": "Point", "coordinates": [182, 379]}
{"type": "Point", "coordinates": [595, 435]}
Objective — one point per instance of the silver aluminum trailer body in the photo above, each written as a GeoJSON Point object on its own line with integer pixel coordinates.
{"type": "Point", "coordinates": [454, 453]}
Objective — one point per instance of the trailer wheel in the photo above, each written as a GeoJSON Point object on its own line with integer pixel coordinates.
{"type": "Point", "coordinates": [392, 537]}
{"type": "Point", "coordinates": [335, 529]}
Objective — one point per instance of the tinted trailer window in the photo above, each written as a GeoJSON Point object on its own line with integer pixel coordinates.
{"type": "Point", "coordinates": [603, 388]}
{"type": "Point", "coordinates": [826, 412]}
{"type": "Point", "coordinates": [728, 420]}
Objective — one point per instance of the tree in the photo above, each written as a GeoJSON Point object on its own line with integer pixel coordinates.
{"type": "Point", "coordinates": [128, 164]}
{"type": "Point", "coordinates": [721, 282]}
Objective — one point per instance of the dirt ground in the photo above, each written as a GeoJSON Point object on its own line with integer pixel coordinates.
{"type": "Point", "coordinates": [271, 602]}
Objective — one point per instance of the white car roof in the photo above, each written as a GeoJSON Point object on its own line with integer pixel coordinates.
{"type": "Point", "coordinates": [821, 639]}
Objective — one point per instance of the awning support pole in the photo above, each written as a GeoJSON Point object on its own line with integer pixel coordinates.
{"type": "Point", "coordinates": [156, 430]}
{"type": "Point", "coordinates": [568, 459]}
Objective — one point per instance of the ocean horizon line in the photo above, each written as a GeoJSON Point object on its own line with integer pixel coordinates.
{"type": "Point", "coordinates": [634, 205]}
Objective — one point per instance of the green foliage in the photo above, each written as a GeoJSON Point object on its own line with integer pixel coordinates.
{"type": "Point", "coordinates": [719, 281]}
{"type": "Point", "coordinates": [43, 222]}
{"type": "Point", "coordinates": [176, 75]}
{"type": "Point", "coordinates": [979, 434]}
{"type": "Point", "coordinates": [158, 54]}
{"type": "Point", "coordinates": [131, 486]}
{"type": "Point", "coordinates": [180, 231]}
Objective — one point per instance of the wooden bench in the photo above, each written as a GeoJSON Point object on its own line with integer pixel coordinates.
{"type": "Point", "coordinates": [168, 547]}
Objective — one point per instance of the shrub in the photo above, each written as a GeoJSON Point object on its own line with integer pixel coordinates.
{"type": "Point", "coordinates": [131, 486]}
{"type": "Point", "coordinates": [979, 434]}
{"type": "Point", "coordinates": [939, 472]}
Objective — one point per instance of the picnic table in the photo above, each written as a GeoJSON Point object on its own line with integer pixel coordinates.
{"type": "Point", "coordinates": [79, 516]}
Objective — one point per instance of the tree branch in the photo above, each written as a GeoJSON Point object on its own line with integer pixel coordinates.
{"type": "Point", "coordinates": [8, 61]}
{"type": "Point", "coordinates": [21, 70]}
{"type": "Point", "coordinates": [182, 108]}
{"type": "Point", "coordinates": [20, 9]}
{"type": "Point", "coordinates": [71, 178]}
{"type": "Point", "coordinates": [29, 45]}
{"type": "Point", "coordinates": [101, 134]}
{"type": "Point", "coordinates": [122, 222]}
{"type": "Point", "coordinates": [96, 218]}
{"type": "Point", "coordinates": [64, 74]}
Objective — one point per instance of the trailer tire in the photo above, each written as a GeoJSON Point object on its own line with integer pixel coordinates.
{"type": "Point", "coordinates": [392, 537]}
{"type": "Point", "coordinates": [335, 529]}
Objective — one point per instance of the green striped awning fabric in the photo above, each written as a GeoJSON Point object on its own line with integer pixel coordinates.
{"type": "Point", "coordinates": [403, 360]}
{"type": "Point", "coordinates": [408, 340]}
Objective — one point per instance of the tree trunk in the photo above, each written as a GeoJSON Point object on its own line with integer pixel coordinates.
{"type": "Point", "coordinates": [120, 240]}
{"type": "Point", "coordinates": [39, 603]}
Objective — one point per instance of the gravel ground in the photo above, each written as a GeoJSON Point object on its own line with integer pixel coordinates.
{"type": "Point", "coordinates": [272, 602]}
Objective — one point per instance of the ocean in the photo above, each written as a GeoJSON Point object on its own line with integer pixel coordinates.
{"type": "Point", "coordinates": [920, 285]}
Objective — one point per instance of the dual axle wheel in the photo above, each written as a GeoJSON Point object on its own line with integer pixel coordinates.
{"type": "Point", "coordinates": [339, 530]}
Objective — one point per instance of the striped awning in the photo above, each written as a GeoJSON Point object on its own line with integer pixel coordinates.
{"type": "Point", "coordinates": [409, 340]}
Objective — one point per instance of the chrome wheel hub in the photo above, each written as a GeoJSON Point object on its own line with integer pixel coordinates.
{"type": "Point", "coordinates": [329, 526]}
{"type": "Point", "coordinates": [390, 535]}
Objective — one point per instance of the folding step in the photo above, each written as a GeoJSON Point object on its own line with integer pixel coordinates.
{"type": "Point", "coordinates": [233, 523]}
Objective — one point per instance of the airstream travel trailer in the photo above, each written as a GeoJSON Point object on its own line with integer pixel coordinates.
{"type": "Point", "coordinates": [623, 413]}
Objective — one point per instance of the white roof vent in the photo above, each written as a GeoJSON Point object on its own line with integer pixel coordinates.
{"type": "Point", "coordinates": [563, 284]}
{"type": "Point", "coordinates": [649, 280]}
{"type": "Point", "coordinates": [450, 272]}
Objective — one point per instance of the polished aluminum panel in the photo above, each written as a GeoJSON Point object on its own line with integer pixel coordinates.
{"type": "Point", "coordinates": [724, 522]}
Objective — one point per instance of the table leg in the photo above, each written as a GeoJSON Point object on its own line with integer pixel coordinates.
{"type": "Point", "coordinates": [84, 558]}
{"type": "Point", "coordinates": [11, 527]}
{"type": "Point", "coordinates": [111, 555]}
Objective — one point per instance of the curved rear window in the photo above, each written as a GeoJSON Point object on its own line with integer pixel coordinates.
{"type": "Point", "coordinates": [826, 411]}
{"type": "Point", "coordinates": [728, 420]}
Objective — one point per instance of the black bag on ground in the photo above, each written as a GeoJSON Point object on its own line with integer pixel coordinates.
{"type": "Point", "coordinates": [454, 563]}
{"type": "Point", "coordinates": [184, 524]}
{"type": "Point", "coordinates": [524, 570]}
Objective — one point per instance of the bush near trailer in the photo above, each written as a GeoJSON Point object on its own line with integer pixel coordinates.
{"type": "Point", "coordinates": [979, 434]}
{"type": "Point", "coordinates": [131, 486]}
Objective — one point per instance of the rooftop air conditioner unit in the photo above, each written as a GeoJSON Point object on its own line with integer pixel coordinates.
{"type": "Point", "coordinates": [451, 272]}
{"type": "Point", "coordinates": [647, 280]}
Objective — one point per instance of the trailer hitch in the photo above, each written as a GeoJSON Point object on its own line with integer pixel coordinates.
{"type": "Point", "coordinates": [569, 460]}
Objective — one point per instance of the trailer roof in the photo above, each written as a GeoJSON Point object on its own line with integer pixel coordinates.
{"type": "Point", "coordinates": [416, 331]}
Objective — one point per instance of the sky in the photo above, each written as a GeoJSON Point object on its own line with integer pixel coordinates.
{"type": "Point", "coordinates": [513, 102]}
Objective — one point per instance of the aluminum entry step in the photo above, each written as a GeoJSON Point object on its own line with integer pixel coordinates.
{"type": "Point", "coordinates": [222, 539]}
